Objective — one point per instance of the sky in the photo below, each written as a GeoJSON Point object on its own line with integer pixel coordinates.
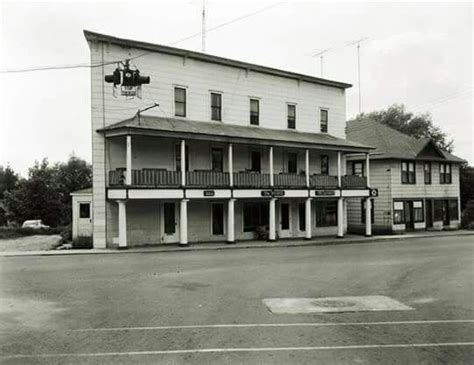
{"type": "Point", "coordinates": [417, 53]}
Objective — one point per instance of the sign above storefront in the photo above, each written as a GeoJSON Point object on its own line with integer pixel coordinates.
{"type": "Point", "coordinates": [324, 192]}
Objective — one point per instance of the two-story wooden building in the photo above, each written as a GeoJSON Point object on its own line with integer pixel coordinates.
{"type": "Point", "coordinates": [232, 148]}
{"type": "Point", "coordinates": [418, 184]}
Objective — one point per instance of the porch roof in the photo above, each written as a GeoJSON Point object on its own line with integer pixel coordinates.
{"type": "Point", "coordinates": [222, 132]}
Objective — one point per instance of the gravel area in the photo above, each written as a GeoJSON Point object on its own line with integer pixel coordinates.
{"type": "Point", "coordinates": [29, 243]}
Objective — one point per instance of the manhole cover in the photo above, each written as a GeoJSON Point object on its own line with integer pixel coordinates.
{"type": "Point", "coordinates": [334, 305]}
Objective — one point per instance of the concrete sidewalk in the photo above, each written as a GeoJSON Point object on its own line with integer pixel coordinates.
{"type": "Point", "coordinates": [244, 245]}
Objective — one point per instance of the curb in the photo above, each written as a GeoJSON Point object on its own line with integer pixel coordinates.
{"type": "Point", "coordinates": [196, 247]}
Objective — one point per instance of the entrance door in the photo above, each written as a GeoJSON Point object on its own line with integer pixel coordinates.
{"type": "Point", "coordinates": [84, 226]}
{"type": "Point", "coordinates": [409, 216]}
{"type": "Point", "coordinates": [429, 213]}
{"type": "Point", "coordinates": [169, 223]}
{"type": "Point", "coordinates": [446, 213]}
{"type": "Point", "coordinates": [285, 220]}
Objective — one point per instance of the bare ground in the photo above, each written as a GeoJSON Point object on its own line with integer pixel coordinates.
{"type": "Point", "coordinates": [29, 243]}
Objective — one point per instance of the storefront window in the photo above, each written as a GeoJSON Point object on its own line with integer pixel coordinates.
{"type": "Point", "coordinates": [418, 211]}
{"type": "Point", "coordinates": [326, 213]}
{"type": "Point", "coordinates": [398, 213]}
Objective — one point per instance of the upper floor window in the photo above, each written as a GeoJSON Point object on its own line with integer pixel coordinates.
{"type": "Point", "coordinates": [216, 106]}
{"type": "Point", "coordinates": [292, 163]}
{"type": "Point", "coordinates": [427, 172]}
{"type": "Point", "coordinates": [255, 161]}
{"type": "Point", "coordinates": [408, 172]}
{"type": "Point", "coordinates": [217, 159]}
{"type": "Point", "coordinates": [445, 173]}
{"type": "Point", "coordinates": [254, 111]}
{"type": "Point", "coordinates": [291, 116]}
{"type": "Point", "coordinates": [180, 101]}
{"type": "Point", "coordinates": [324, 165]}
{"type": "Point", "coordinates": [358, 168]}
{"type": "Point", "coordinates": [324, 121]}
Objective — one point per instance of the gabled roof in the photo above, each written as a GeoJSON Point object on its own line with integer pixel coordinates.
{"type": "Point", "coordinates": [391, 143]}
{"type": "Point", "coordinates": [93, 36]}
{"type": "Point", "coordinates": [82, 192]}
{"type": "Point", "coordinates": [223, 132]}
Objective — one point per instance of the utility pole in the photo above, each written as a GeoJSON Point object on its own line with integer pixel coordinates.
{"type": "Point", "coordinates": [358, 42]}
{"type": "Point", "coordinates": [203, 30]}
{"type": "Point", "coordinates": [320, 54]}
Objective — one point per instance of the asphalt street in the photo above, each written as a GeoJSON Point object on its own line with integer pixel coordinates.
{"type": "Point", "coordinates": [206, 306]}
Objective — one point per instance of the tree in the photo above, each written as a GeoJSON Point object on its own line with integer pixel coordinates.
{"type": "Point", "coordinates": [37, 197]}
{"type": "Point", "coordinates": [73, 175]}
{"type": "Point", "coordinates": [46, 193]}
{"type": "Point", "coordinates": [8, 180]}
{"type": "Point", "coordinates": [415, 125]}
{"type": "Point", "coordinates": [466, 180]}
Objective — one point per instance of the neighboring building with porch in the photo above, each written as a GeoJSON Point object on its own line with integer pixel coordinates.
{"type": "Point", "coordinates": [81, 213]}
{"type": "Point", "coordinates": [418, 184]}
{"type": "Point", "coordinates": [232, 148]}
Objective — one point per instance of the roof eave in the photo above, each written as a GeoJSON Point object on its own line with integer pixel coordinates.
{"type": "Point", "coordinates": [140, 130]}
{"type": "Point", "coordinates": [93, 36]}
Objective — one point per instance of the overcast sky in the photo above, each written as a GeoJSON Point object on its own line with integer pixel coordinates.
{"type": "Point", "coordinates": [419, 54]}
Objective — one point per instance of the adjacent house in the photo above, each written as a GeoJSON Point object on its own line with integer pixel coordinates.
{"type": "Point", "coordinates": [418, 184]}
{"type": "Point", "coordinates": [232, 149]}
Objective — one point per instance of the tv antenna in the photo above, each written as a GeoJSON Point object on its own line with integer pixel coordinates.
{"type": "Point", "coordinates": [358, 42]}
{"type": "Point", "coordinates": [321, 54]}
{"type": "Point", "coordinates": [203, 30]}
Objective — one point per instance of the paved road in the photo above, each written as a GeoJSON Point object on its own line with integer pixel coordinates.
{"type": "Point", "coordinates": [164, 308]}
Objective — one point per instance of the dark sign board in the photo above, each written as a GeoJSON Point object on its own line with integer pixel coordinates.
{"type": "Point", "coordinates": [273, 193]}
{"type": "Point", "coordinates": [324, 192]}
{"type": "Point", "coordinates": [209, 193]}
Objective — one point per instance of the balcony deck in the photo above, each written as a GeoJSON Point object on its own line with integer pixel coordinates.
{"type": "Point", "coordinates": [154, 178]}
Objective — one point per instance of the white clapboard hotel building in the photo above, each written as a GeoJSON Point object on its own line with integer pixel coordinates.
{"type": "Point", "coordinates": [233, 149]}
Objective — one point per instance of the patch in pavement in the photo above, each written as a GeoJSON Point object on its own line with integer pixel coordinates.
{"type": "Point", "coordinates": [334, 305]}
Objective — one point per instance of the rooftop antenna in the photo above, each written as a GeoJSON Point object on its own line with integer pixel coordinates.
{"type": "Point", "coordinates": [358, 42]}
{"type": "Point", "coordinates": [203, 30]}
{"type": "Point", "coordinates": [320, 54]}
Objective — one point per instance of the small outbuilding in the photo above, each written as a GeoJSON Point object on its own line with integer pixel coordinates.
{"type": "Point", "coordinates": [82, 213]}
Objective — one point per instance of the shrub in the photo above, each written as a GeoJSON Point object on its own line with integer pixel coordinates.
{"type": "Point", "coordinates": [82, 242]}
{"type": "Point", "coordinates": [467, 216]}
{"type": "Point", "coordinates": [66, 234]}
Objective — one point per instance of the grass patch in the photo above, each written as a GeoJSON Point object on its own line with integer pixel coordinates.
{"type": "Point", "coordinates": [15, 232]}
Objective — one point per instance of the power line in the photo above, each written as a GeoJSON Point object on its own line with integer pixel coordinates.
{"type": "Point", "coordinates": [85, 65]}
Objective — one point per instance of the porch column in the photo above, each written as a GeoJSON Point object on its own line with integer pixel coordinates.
{"type": "Point", "coordinates": [340, 217]}
{"type": "Point", "coordinates": [183, 223]}
{"type": "Point", "coordinates": [230, 221]}
{"type": "Point", "coordinates": [368, 201]}
{"type": "Point", "coordinates": [231, 165]}
{"type": "Point", "coordinates": [308, 218]}
{"type": "Point", "coordinates": [122, 224]}
{"type": "Point", "coordinates": [128, 158]}
{"type": "Point", "coordinates": [368, 221]}
{"type": "Point", "coordinates": [339, 169]}
{"type": "Point", "coordinates": [367, 169]}
{"type": "Point", "coordinates": [183, 162]}
{"type": "Point", "coordinates": [307, 167]}
{"type": "Point", "coordinates": [271, 221]}
{"type": "Point", "coordinates": [270, 161]}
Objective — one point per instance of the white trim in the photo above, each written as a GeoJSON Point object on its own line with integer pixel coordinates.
{"type": "Point", "coordinates": [173, 101]}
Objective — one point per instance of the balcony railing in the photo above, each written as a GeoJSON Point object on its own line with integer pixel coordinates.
{"type": "Point", "coordinates": [354, 182]}
{"type": "Point", "coordinates": [323, 181]}
{"type": "Point", "coordinates": [290, 180]}
{"type": "Point", "coordinates": [207, 179]}
{"type": "Point", "coordinates": [210, 179]}
{"type": "Point", "coordinates": [251, 180]}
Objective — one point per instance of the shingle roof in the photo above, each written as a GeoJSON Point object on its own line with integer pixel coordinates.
{"type": "Point", "coordinates": [391, 143]}
{"type": "Point", "coordinates": [93, 36]}
{"type": "Point", "coordinates": [229, 132]}
{"type": "Point", "coordinates": [82, 191]}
